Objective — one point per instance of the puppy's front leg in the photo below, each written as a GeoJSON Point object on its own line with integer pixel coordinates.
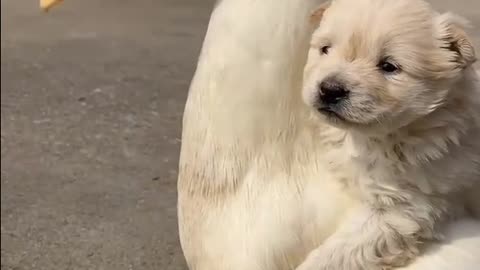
{"type": "Point", "coordinates": [371, 240]}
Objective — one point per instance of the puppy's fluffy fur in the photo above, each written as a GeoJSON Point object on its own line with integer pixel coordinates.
{"type": "Point", "coordinates": [405, 128]}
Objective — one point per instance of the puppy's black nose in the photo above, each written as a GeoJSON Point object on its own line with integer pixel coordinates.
{"type": "Point", "coordinates": [332, 91]}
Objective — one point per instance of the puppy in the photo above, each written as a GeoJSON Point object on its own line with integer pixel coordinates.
{"type": "Point", "coordinates": [393, 84]}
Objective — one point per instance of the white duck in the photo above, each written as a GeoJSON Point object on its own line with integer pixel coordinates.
{"type": "Point", "coordinates": [250, 192]}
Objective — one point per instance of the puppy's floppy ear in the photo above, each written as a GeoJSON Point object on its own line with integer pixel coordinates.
{"type": "Point", "coordinates": [454, 38]}
{"type": "Point", "coordinates": [317, 15]}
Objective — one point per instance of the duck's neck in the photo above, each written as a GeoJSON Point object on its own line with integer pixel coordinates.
{"type": "Point", "coordinates": [246, 90]}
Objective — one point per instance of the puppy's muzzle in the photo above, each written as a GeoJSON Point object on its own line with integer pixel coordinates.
{"type": "Point", "coordinates": [331, 92]}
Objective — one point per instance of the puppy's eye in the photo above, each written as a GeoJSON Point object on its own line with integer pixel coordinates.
{"type": "Point", "coordinates": [388, 67]}
{"type": "Point", "coordinates": [325, 49]}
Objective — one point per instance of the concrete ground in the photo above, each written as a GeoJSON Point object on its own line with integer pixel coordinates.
{"type": "Point", "coordinates": [91, 102]}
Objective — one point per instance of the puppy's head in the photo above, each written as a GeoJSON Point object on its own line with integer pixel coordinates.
{"type": "Point", "coordinates": [381, 64]}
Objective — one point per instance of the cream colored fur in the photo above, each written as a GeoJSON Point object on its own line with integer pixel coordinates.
{"type": "Point", "coordinates": [253, 192]}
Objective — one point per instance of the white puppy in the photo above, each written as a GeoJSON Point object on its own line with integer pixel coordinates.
{"type": "Point", "coordinates": [394, 85]}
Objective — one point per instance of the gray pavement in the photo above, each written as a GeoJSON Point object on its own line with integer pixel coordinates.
{"type": "Point", "coordinates": [91, 103]}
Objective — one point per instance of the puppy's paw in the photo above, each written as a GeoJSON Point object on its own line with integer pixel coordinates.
{"type": "Point", "coordinates": [383, 254]}
{"type": "Point", "coordinates": [337, 258]}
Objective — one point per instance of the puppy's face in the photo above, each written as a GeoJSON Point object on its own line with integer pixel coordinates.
{"type": "Point", "coordinates": [382, 64]}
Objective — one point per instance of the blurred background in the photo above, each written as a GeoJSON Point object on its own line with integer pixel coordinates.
{"type": "Point", "coordinates": [92, 96]}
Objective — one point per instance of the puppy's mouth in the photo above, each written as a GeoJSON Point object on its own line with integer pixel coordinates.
{"type": "Point", "coordinates": [331, 113]}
